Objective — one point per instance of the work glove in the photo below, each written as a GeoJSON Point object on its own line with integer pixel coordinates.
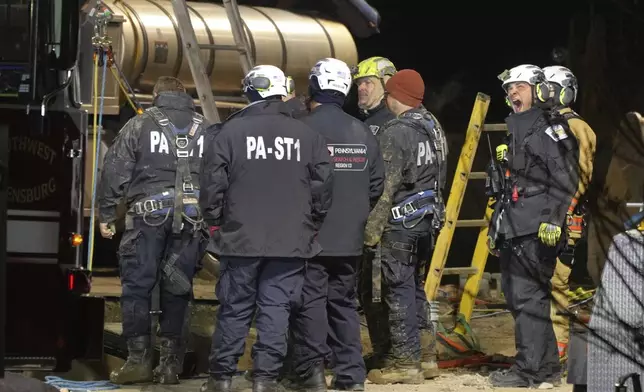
{"type": "Point", "coordinates": [549, 234]}
{"type": "Point", "coordinates": [491, 247]}
{"type": "Point", "coordinates": [501, 152]}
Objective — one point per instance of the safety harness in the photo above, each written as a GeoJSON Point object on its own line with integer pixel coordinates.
{"type": "Point", "coordinates": [182, 201]}
{"type": "Point", "coordinates": [426, 202]}
{"type": "Point", "coordinates": [419, 205]}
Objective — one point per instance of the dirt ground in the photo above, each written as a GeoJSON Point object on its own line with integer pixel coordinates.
{"type": "Point", "coordinates": [495, 334]}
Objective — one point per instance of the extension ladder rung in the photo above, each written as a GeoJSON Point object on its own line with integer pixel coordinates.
{"type": "Point", "coordinates": [495, 127]}
{"type": "Point", "coordinates": [191, 48]}
{"type": "Point", "coordinates": [239, 36]}
{"type": "Point", "coordinates": [234, 48]}
{"type": "Point", "coordinates": [472, 223]}
{"type": "Point", "coordinates": [478, 176]}
{"type": "Point", "coordinates": [460, 271]}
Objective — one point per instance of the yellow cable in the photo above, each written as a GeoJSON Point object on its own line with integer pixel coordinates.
{"type": "Point", "coordinates": [92, 230]}
{"type": "Point", "coordinates": [125, 92]}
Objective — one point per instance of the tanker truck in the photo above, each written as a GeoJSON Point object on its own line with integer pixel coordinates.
{"type": "Point", "coordinates": [46, 133]}
{"type": "Point", "coordinates": [146, 44]}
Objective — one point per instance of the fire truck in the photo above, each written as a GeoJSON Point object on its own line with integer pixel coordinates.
{"type": "Point", "coordinates": [50, 154]}
{"type": "Point", "coordinates": [50, 320]}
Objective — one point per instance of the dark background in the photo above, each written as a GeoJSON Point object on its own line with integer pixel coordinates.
{"type": "Point", "coordinates": [459, 48]}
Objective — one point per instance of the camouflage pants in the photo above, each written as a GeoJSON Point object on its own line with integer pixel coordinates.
{"type": "Point", "coordinates": [394, 324]}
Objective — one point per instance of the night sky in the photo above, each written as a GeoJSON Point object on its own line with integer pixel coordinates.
{"type": "Point", "coordinates": [473, 41]}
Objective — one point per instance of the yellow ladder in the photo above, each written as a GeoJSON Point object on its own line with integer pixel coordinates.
{"type": "Point", "coordinates": [457, 193]}
{"type": "Point", "coordinates": [192, 49]}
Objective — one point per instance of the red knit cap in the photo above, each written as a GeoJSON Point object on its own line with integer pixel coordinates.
{"type": "Point", "coordinates": [407, 87]}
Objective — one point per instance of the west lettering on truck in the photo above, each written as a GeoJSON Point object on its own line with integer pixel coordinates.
{"type": "Point", "coordinates": [38, 192]}
{"type": "Point", "coordinates": [34, 147]}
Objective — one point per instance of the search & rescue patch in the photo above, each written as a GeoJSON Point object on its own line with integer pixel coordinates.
{"type": "Point", "coordinates": [348, 157]}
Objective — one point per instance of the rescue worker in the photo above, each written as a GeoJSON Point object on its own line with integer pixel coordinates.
{"type": "Point", "coordinates": [540, 178]}
{"type": "Point", "coordinates": [370, 77]}
{"type": "Point", "coordinates": [565, 88]}
{"type": "Point", "coordinates": [153, 166]}
{"type": "Point", "coordinates": [414, 150]}
{"type": "Point", "coordinates": [329, 290]}
{"type": "Point", "coordinates": [267, 185]}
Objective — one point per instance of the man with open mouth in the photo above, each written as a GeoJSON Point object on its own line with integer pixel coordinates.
{"type": "Point", "coordinates": [538, 173]}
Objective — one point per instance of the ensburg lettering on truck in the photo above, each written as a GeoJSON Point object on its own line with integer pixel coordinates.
{"type": "Point", "coordinates": [348, 157]}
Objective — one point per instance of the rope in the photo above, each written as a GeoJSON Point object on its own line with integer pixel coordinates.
{"type": "Point", "coordinates": [98, 126]}
{"type": "Point", "coordinates": [79, 386]}
{"type": "Point", "coordinates": [122, 82]}
{"type": "Point", "coordinates": [125, 92]}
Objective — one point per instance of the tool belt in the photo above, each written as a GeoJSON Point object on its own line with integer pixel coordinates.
{"type": "Point", "coordinates": [414, 207]}
{"type": "Point", "coordinates": [163, 203]}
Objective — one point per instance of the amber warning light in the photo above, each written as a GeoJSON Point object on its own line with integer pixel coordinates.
{"type": "Point", "coordinates": [76, 240]}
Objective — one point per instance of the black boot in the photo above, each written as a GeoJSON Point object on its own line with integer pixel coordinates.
{"type": "Point", "coordinates": [267, 386]}
{"type": "Point", "coordinates": [213, 385]}
{"type": "Point", "coordinates": [138, 367]}
{"type": "Point", "coordinates": [169, 362]}
{"type": "Point", "coordinates": [313, 381]}
{"type": "Point", "coordinates": [340, 386]}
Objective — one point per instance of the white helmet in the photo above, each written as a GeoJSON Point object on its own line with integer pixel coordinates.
{"type": "Point", "coordinates": [527, 73]}
{"type": "Point", "coordinates": [267, 80]}
{"type": "Point", "coordinates": [332, 74]}
{"type": "Point", "coordinates": [566, 80]}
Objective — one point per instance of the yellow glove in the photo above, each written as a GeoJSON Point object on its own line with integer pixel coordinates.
{"type": "Point", "coordinates": [549, 234]}
{"type": "Point", "coordinates": [501, 152]}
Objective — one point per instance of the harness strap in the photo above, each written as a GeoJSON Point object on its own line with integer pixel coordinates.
{"type": "Point", "coordinates": [434, 132]}
{"type": "Point", "coordinates": [420, 203]}
{"type": "Point", "coordinates": [177, 282]}
{"type": "Point", "coordinates": [149, 206]}
{"type": "Point", "coordinates": [181, 148]}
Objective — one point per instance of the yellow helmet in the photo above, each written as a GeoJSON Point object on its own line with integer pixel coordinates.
{"type": "Point", "coordinates": [374, 66]}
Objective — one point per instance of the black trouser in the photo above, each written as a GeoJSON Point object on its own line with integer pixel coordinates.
{"type": "Point", "coordinates": [527, 267]}
{"type": "Point", "coordinates": [422, 268]}
{"type": "Point", "coordinates": [142, 249]}
{"type": "Point", "coordinates": [266, 288]}
{"type": "Point", "coordinates": [326, 327]}
{"type": "Point", "coordinates": [394, 327]}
